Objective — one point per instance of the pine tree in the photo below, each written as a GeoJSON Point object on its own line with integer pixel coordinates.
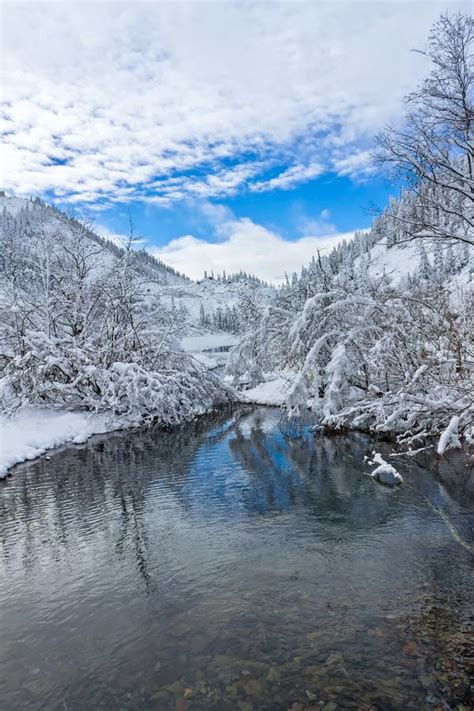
{"type": "Point", "coordinates": [424, 266]}
{"type": "Point", "coordinates": [450, 260]}
{"type": "Point", "coordinates": [438, 266]}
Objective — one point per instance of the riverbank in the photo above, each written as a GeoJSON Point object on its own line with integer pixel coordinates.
{"type": "Point", "coordinates": [32, 431]}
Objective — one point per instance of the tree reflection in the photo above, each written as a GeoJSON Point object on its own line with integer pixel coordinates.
{"type": "Point", "coordinates": [51, 506]}
{"type": "Point", "coordinates": [225, 466]}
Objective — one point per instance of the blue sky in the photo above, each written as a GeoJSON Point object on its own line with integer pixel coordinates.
{"type": "Point", "coordinates": [327, 204]}
{"type": "Point", "coordinates": [238, 134]}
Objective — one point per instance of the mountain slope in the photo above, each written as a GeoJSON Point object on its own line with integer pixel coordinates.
{"type": "Point", "coordinates": [28, 217]}
{"type": "Point", "coordinates": [209, 305]}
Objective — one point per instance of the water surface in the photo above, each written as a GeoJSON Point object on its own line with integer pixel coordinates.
{"type": "Point", "coordinates": [234, 564]}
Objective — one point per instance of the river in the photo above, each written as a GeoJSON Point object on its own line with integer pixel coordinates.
{"type": "Point", "coordinates": [231, 564]}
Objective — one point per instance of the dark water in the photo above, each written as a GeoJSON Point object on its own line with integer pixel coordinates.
{"type": "Point", "coordinates": [231, 566]}
{"type": "Point", "coordinates": [218, 349]}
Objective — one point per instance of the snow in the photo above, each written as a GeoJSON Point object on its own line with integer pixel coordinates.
{"type": "Point", "coordinates": [402, 260]}
{"type": "Point", "coordinates": [272, 392]}
{"type": "Point", "coordinates": [210, 361]}
{"type": "Point", "coordinates": [12, 204]}
{"type": "Point", "coordinates": [385, 472]}
{"type": "Point", "coordinates": [396, 262]}
{"type": "Point", "coordinates": [450, 436]}
{"type": "Point", "coordinates": [207, 341]}
{"type": "Point", "coordinates": [32, 431]}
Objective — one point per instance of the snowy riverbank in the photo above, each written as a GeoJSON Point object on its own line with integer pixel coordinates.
{"type": "Point", "coordinates": [271, 392]}
{"type": "Point", "coordinates": [32, 431]}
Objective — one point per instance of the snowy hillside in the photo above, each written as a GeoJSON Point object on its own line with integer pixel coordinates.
{"type": "Point", "coordinates": [28, 217]}
{"type": "Point", "coordinates": [401, 262]}
{"type": "Point", "coordinates": [395, 263]}
{"type": "Point", "coordinates": [12, 204]}
{"type": "Point", "coordinates": [209, 305]}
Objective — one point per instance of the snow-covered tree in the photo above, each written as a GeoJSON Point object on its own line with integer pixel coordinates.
{"type": "Point", "coordinates": [433, 150]}
{"type": "Point", "coordinates": [79, 327]}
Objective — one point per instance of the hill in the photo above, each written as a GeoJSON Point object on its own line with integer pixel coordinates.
{"type": "Point", "coordinates": [211, 305]}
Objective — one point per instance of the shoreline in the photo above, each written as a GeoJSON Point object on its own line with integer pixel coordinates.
{"type": "Point", "coordinates": [30, 437]}
{"type": "Point", "coordinates": [35, 432]}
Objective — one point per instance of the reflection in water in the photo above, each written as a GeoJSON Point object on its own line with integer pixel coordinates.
{"type": "Point", "coordinates": [230, 565]}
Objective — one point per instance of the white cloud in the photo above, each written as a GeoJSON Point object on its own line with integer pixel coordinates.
{"type": "Point", "coordinates": [248, 246]}
{"type": "Point", "coordinates": [357, 164]}
{"type": "Point", "coordinates": [313, 224]}
{"type": "Point", "coordinates": [289, 177]}
{"type": "Point", "coordinates": [104, 99]}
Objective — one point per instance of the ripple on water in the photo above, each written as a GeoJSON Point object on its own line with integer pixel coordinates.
{"type": "Point", "coordinates": [227, 565]}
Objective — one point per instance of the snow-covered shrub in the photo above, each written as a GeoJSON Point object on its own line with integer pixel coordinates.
{"type": "Point", "coordinates": [450, 437]}
{"type": "Point", "coordinates": [372, 354]}
{"type": "Point", "coordinates": [83, 331]}
{"type": "Point", "coordinates": [260, 351]}
{"type": "Point", "coordinates": [297, 398]}
{"type": "Point", "coordinates": [391, 361]}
